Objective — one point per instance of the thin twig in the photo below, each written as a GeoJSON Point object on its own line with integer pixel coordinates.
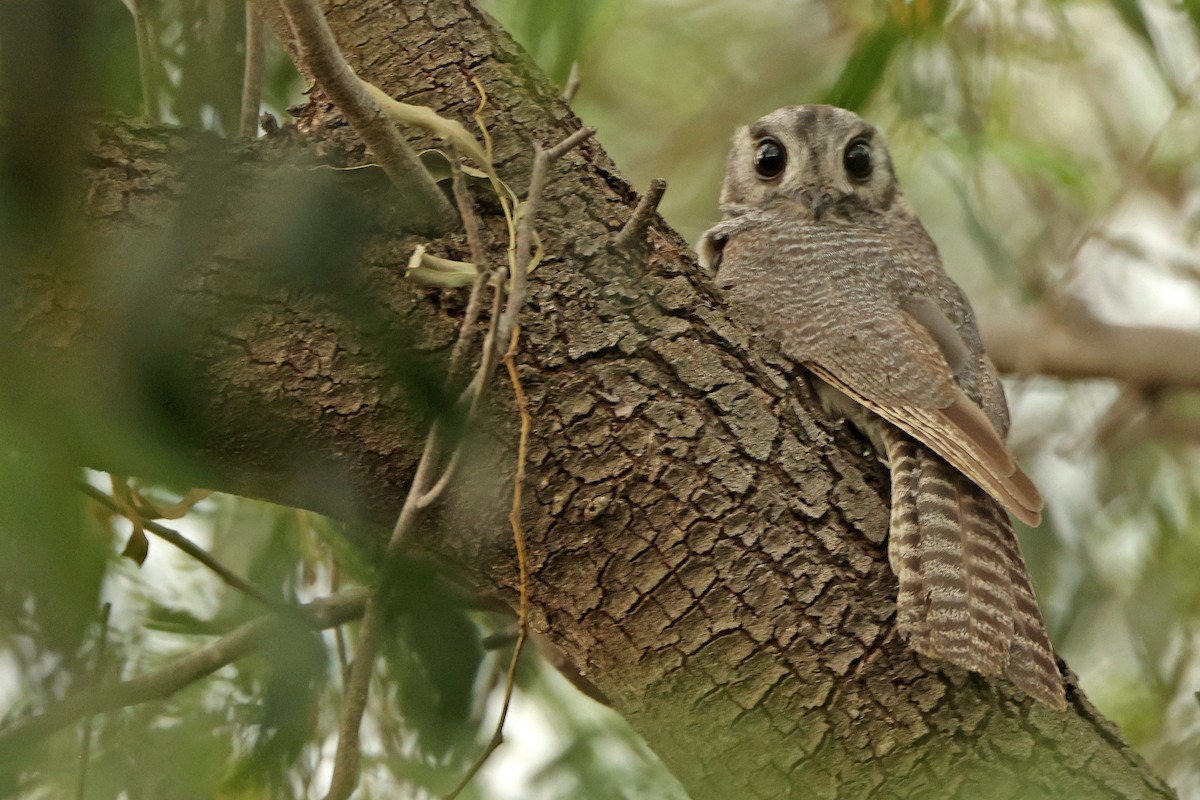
{"type": "Point", "coordinates": [223, 572]}
{"type": "Point", "coordinates": [1096, 224]}
{"type": "Point", "coordinates": [466, 330]}
{"type": "Point", "coordinates": [426, 207]}
{"type": "Point", "coordinates": [339, 636]}
{"type": "Point", "coordinates": [85, 747]}
{"type": "Point", "coordinates": [524, 244]}
{"type": "Point", "coordinates": [572, 87]}
{"type": "Point", "coordinates": [637, 223]}
{"type": "Point", "coordinates": [147, 58]}
{"type": "Point", "coordinates": [348, 755]}
{"type": "Point", "coordinates": [252, 76]}
{"type": "Point", "coordinates": [514, 519]}
{"type": "Point", "coordinates": [183, 672]}
{"type": "Point", "coordinates": [478, 257]}
{"type": "Point", "coordinates": [1133, 403]}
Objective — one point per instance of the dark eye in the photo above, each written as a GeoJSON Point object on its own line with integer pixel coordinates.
{"type": "Point", "coordinates": [857, 160]}
{"type": "Point", "coordinates": [769, 159]}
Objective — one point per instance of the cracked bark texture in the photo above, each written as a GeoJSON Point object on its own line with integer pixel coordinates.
{"type": "Point", "coordinates": [705, 546]}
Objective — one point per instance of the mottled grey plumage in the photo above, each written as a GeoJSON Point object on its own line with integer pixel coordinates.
{"type": "Point", "coordinates": [834, 264]}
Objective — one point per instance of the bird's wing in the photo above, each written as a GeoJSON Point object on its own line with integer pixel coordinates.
{"type": "Point", "coordinates": [956, 429]}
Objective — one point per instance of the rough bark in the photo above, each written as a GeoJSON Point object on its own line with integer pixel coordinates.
{"type": "Point", "coordinates": [705, 546]}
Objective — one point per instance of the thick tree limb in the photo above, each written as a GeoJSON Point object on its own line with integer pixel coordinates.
{"type": "Point", "coordinates": [704, 545]}
{"type": "Point", "coordinates": [1072, 345]}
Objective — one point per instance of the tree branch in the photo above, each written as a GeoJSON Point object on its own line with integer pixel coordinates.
{"type": "Point", "coordinates": [183, 672]}
{"type": "Point", "coordinates": [704, 544]}
{"type": "Point", "coordinates": [426, 209]}
{"type": "Point", "coordinates": [1064, 343]}
{"type": "Point", "coordinates": [252, 78]}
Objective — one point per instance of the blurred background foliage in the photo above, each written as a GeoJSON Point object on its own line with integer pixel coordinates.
{"type": "Point", "coordinates": [1051, 149]}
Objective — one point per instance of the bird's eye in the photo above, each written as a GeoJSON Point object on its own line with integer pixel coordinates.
{"type": "Point", "coordinates": [769, 159]}
{"type": "Point", "coordinates": [857, 160]}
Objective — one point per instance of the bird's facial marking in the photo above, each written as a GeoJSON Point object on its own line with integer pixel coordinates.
{"type": "Point", "coordinates": [825, 163]}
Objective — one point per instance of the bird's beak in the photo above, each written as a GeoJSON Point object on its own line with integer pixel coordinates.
{"type": "Point", "coordinates": [816, 201]}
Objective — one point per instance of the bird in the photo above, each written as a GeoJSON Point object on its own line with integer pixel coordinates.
{"type": "Point", "coordinates": [819, 250]}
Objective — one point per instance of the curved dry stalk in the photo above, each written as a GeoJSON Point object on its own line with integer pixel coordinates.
{"type": "Point", "coordinates": [514, 519]}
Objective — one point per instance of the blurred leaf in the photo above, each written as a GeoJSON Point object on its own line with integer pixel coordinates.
{"type": "Point", "coordinates": [863, 73]}
{"type": "Point", "coordinates": [1056, 167]}
{"type": "Point", "coordinates": [437, 654]}
{"type": "Point", "coordinates": [137, 547]}
{"type": "Point", "coordinates": [1131, 14]}
{"type": "Point", "coordinates": [1192, 9]}
{"type": "Point", "coordinates": [286, 707]}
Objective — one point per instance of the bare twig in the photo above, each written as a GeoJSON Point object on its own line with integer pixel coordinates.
{"type": "Point", "coordinates": [637, 223]}
{"type": "Point", "coordinates": [339, 636]}
{"type": "Point", "coordinates": [181, 673]}
{"type": "Point", "coordinates": [85, 747]}
{"type": "Point", "coordinates": [470, 317]}
{"type": "Point", "coordinates": [524, 245]}
{"type": "Point", "coordinates": [252, 77]}
{"type": "Point", "coordinates": [346, 759]}
{"type": "Point", "coordinates": [1068, 344]}
{"type": "Point", "coordinates": [223, 572]}
{"type": "Point", "coordinates": [1133, 403]}
{"type": "Point", "coordinates": [572, 87]}
{"type": "Point", "coordinates": [426, 207]}
{"type": "Point", "coordinates": [478, 257]}
{"type": "Point", "coordinates": [1172, 428]}
{"type": "Point", "coordinates": [522, 257]}
{"type": "Point", "coordinates": [147, 58]}
{"type": "Point", "coordinates": [1137, 167]}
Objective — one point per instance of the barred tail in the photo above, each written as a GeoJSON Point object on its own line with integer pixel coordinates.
{"type": "Point", "coordinates": [964, 595]}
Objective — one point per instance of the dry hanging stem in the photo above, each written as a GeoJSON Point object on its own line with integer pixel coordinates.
{"type": "Point", "coordinates": [514, 519]}
{"type": "Point", "coordinates": [422, 490]}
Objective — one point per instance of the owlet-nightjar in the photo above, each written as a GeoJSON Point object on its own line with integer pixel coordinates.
{"type": "Point", "coordinates": [819, 249]}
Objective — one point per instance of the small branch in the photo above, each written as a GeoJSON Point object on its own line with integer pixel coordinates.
{"type": "Point", "coordinates": [1132, 403]}
{"type": "Point", "coordinates": [466, 211]}
{"type": "Point", "coordinates": [85, 748]}
{"type": "Point", "coordinates": [523, 253]}
{"type": "Point", "coordinates": [1061, 343]}
{"type": "Point", "coordinates": [348, 755]}
{"type": "Point", "coordinates": [252, 77]}
{"type": "Point", "coordinates": [426, 207]}
{"type": "Point", "coordinates": [223, 572]}
{"type": "Point", "coordinates": [339, 636]}
{"type": "Point", "coordinates": [637, 223]}
{"type": "Point", "coordinates": [572, 87]}
{"type": "Point", "coordinates": [164, 682]}
{"type": "Point", "coordinates": [147, 58]}
{"type": "Point", "coordinates": [1168, 427]}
